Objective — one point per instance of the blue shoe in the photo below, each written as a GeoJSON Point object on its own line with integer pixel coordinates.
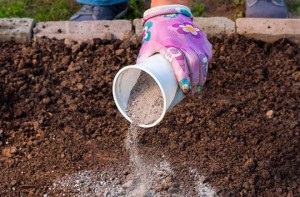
{"type": "Point", "coordinates": [266, 9]}
{"type": "Point", "coordinates": [90, 12]}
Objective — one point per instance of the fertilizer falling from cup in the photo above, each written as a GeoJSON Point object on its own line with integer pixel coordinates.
{"type": "Point", "coordinates": [144, 93]}
{"type": "Point", "coordinates": [152, 85]}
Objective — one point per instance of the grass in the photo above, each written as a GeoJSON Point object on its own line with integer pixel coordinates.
{"type": "Point", "coordinates": [294, 7]}
{"type": "Point", "coordinates": [12, 8]}
{"type": "Point", "coordinates": [240, 7]}
{"type": "Point", "coordinates": [135, 9]}
{"type": "Point", "coordinates": [53, 10]}
{"type": "Point", "coordinates": [40, 10]}
{"type": "Point", "coordinates": [198, 9]}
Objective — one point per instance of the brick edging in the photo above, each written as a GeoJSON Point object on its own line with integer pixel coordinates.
{"type": "Point", "coordinates": [25, 29]}
{"type": "Point", "coordinates": [269, 30]}
{"type": "Point", "coordinates": [18, 29]}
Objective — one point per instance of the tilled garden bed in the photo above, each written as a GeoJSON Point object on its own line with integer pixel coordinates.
{"type": "Point", "coordinates": [62, 135]}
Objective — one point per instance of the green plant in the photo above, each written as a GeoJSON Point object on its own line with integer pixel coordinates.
{"type": "Point", "coordinates": [57, 10]}
{"type": "Point", "coordinates": [135, 9]}
{"type": "Point", "coordinates": [197, 9]}
{"type": "Point", "coordinates": [40, 10]}
{"type": "Point", "coordinates": [294, 7]}
{"type": "Point", "coordinates": [240, 8]}
{"type": "Point", "coordinates": [13, 8]}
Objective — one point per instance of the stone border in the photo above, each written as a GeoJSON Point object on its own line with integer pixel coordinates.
{"type": "Point", "coordinates": [83, 30]}
{"type": "Point", "coordinates": [18, 29]}
{"type": "Point", "coordinates": [24, 29]}
{"type": "Point", "coordinates": [269, 30]}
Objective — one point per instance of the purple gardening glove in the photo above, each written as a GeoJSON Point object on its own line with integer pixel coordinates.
{"type": "Point", "coordinates": [170, 31]}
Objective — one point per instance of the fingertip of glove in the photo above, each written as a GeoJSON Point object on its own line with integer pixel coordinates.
{"type": "Point", "coordinates": [199, 88]}
{"type": "Point", "coordinates": [185, 89]}
{"type": "Point", "coordinates": [185, 86]}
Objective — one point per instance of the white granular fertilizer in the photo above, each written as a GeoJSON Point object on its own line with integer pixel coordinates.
{"type": "Point", "coordinates": [145, 179]}
{"type": "Point", "coordinates": [145, 103]}
{"type": "Point", "coordinates": [94, 184]}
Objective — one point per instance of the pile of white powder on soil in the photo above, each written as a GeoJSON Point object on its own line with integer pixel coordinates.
{"type": "Point", "coordinates": [145, 179]}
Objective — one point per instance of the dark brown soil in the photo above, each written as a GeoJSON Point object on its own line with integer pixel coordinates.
{"type": "Point", "coordinates": [58, 117]}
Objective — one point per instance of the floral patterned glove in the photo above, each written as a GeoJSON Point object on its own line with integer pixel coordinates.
{"type": "Point", "coordinates": [170, 31]}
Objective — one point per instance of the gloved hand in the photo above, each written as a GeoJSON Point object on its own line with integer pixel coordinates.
{"type": "Point", "coordinates": [170, 31]}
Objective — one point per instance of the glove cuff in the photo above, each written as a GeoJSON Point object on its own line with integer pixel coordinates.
{"type": "Point", "coordinates": [166, 9]}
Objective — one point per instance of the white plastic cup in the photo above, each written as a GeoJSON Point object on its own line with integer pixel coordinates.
{"type": "Point", "coordinates": [161, 71]}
